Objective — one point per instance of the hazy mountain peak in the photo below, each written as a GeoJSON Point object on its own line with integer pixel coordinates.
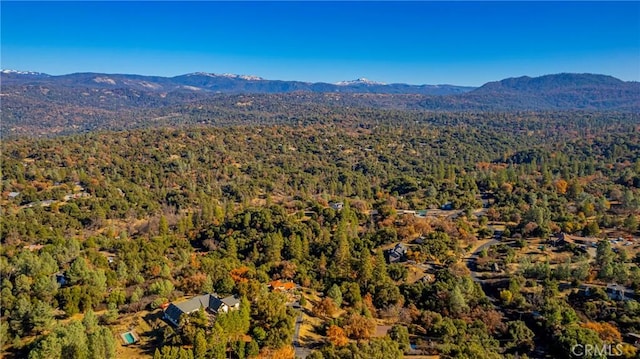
{"type": "Point", "coordinates": [227, 75]}
{"type": "Point", "coordinates": [18, 72]}
{"type": "Point", "coordinates": [360, 81]}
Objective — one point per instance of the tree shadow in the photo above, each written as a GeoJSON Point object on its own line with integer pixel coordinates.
{"type": "Point", "coordinates": [152, 337]}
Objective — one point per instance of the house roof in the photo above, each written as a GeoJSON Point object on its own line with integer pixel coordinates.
{"type": "Point", "coordinates": [231, 301]}
{"type": "Point", "coordinates": [279, 285]}
{"type": "Point", "coordinates": [400, 248]}
{"type": "Point", "coordinates": [173, 312]}
{"type": "Point", "coordinates": [206, 301]}
{"type": "Point", "coordinates": [616, 287]}
{"type": "Point", "coordinates": [195, 303]}
{"type": "Point", "coordinates": [215, 303]}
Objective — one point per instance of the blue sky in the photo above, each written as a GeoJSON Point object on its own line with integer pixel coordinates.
{"type": "Point", "coordinates": [465, 43]}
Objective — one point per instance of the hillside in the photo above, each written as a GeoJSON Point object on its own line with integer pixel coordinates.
{"type": "Point", "coordinates": [37, 104]}
{"type": "Point", "coordinates": [581, 91]}
{"type": "Point", "coordinates": [545, 93]}
{"type": "Point", "coordinates": [219, 83]}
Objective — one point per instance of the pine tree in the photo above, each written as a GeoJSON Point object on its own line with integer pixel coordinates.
{"type": "Point", "coordinates": [163, 226]}
{"type": "Point", "coordinates": [342, 255]}
{"type": "Point", "coordinates": [457, 303]}
{"type": "Point", "coordinates": [365, 273]}
{"type": "Point", "coordinates": [336, 294]}
{"type": "Point", "coordinates": [380, 268]}
{"type": "Point", "coordinates": [231, 248]}
{"type": "Point", "coordinates": [200, 345]}
{"type": "Point", "coordinates": [90, 321]}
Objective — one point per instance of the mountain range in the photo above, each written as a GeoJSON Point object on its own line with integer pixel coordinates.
{"type": "Point", "coordinates": [40, 104]}
{"type": "Point", "coordinates": [222, 83]}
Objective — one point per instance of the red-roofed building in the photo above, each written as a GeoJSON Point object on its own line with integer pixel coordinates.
{"type": "Point", "coordinates": [278, 286]}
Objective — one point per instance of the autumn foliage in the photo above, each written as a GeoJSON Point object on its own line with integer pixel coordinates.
{"type": "Point", "coordinates": [606, 331]}
{"type": "Point", "coordinates": [360, 327]}
{"type": "Point", "coordinates": [283, 353]}
{"type": "Point", "coordinates": [239, 275]}
{"type": "Point", "coordinates": [325, 308]}
{"type": "Point", "coordinates": [561, 186]}
{"type": "Point", "coordinates": [337, 336]}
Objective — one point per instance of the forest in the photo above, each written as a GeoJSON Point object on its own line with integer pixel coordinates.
{"type": "Point", "coordinates": [405, 233]}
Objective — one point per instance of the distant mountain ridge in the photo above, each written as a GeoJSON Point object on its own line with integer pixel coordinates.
{"type": "Point", "coordinates": [558, 92]}
{"type": "Point", "coordinates": [40, 104]}
{"type": "Point", "coordinates": [224, 83]}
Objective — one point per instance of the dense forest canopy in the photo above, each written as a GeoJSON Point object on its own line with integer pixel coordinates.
{"type": "Point", "coordinates": [101, 227]}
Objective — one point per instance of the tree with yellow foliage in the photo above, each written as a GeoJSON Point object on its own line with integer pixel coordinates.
{"type": "Point", "coordinates": [561, 186]}
{"type": "Point", "coordinates": [607, 332]}
{"type": "Point", "coordinates": [286, 352]}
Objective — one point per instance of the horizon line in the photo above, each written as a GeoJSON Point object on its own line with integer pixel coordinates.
{"type": "Point", "coordinates": [260, 78]}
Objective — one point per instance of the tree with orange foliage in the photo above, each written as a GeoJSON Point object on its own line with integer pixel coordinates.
{"type": "Point", "coordinates": [490, 317]}
{"type": "Point", "coordinates": [287, 269]}
{"type": "Point", "coordinates": [367, 300]}
{"type": "Point", "coordinates": [607, 332]}
{"type": "Point", "coordinates": [155, 270]}
{"type": "Point", "coordinates": [360, 327]}
{"type": "Point", "coordinates": [506, 187]}
{"type": "Point", "coordinates": [195, 263]}
{"type": "Point", "coordinates": [194, 283]}
{"type": "Point", "coordinates": [337, 336]}
{"type": "Point", "coordinates": [325, 308]}
{"type": "Point", "coordinates": [482, 165]}
{"type": "Point", "coordinates": [561, 186]}
{"type": "Point", "coordinates": [493, 214]}
{"type": "Point", "coordinates": [240, 275]}
{"type": "Point", "coordinates": [286, 352]}
{"type": "Point", "coordinates": [423, 226]}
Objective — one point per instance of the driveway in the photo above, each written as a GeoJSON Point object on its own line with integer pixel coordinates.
{"type": "Point", "coordinates": [470, 261]}
{"type": "Point", "coordinates": [301, 352]}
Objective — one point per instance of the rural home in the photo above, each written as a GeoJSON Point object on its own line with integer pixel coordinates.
{"type": "Point", "coordinates": [560, 240]}
{"type": "Point", "coordinates": [397, 253]}
{"type": "Point", "coordinates": [619, 292]}
{"type": "Point", "coordinates": [209, 302]}
{"type": "Point", "coordinates": [278, 286]}
{"type": "Point", "coordinates": [584, 290]}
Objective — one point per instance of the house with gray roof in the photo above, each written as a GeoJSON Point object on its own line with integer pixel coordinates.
{"type": "Point", "coordinates": [397, 253]}
{"type": "Point", "coordinates": [208, 302]}
{"type": "Point", "coordinates": [619, 292]}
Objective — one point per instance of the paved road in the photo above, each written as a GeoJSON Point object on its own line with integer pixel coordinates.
{"type": "Point", "coordinates": [301, 352]}
{"type": "Point", "coordinates": [471, 259]}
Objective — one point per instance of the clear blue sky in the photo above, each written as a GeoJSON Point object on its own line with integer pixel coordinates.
{"type": "Point", "coordinates": [465, 43]}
